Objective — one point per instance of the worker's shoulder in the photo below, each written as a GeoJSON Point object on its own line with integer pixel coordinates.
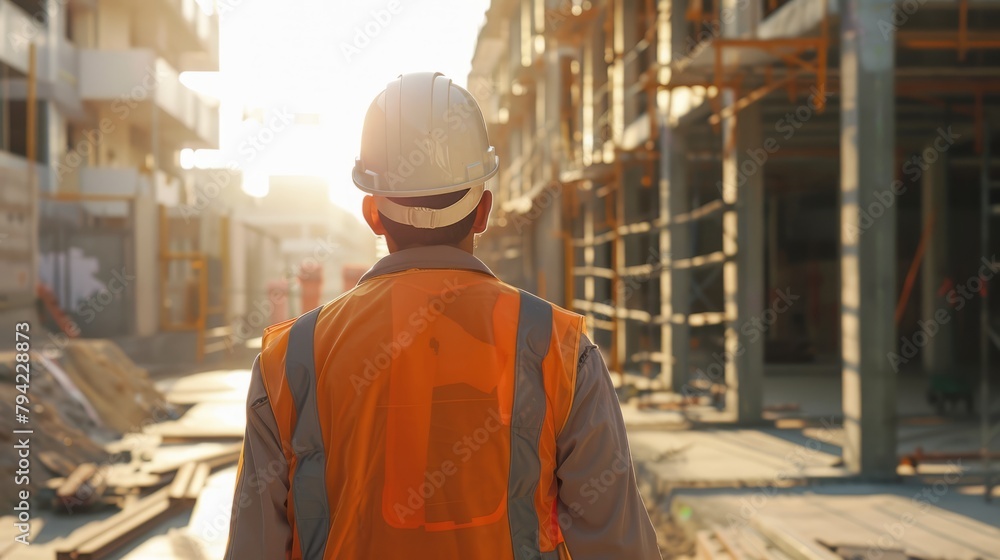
{"type": "Point", "coordinates": [275, 332]}
{"type": "Point", "coordinates": [558, 311]}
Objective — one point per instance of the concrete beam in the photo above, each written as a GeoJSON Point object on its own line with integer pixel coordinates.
{"type": "Point", "coordinates": [868, 244]}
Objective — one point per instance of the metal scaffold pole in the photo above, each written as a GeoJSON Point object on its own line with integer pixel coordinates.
{"type": "Point", "coordinates": [985, 214]}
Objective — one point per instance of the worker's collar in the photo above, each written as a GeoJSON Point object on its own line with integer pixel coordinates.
{"type": "Point", "coordinates": [430, 257]}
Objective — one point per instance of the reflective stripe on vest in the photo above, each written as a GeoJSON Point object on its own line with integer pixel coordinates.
{"type": "Point", "coordinates": [312, 513]}
{"type": "Point", "coordinates": [534, 332]}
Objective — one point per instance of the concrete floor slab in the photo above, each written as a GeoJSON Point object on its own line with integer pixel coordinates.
{"type": "Point", "coordinates": [933, 521]}
{"type": "Point", "coordinates": [728, 457]}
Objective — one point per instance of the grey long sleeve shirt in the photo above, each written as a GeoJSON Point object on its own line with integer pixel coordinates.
{"type": "Point", "coordinates": [601, 513]}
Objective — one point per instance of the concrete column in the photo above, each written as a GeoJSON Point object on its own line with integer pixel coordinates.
{"type": "Point", "coordinates": [743, 238]}
{"type": "Point", "coordinates": [868, 237]}
{"type": "Point", "coordinates": [938, 355]}
{"type": "Point", "coordinates": [743, 272]}
{"type": "Point", "coordinates": [548, 207]}
{"type": "Point", "coordinates": [673, 31]}
{"type": "Point", "coordinates": [589, 282]}
{"type": "Point", "coordinates": [674, 199]}
{"type": "Point", "coordinates": [146, 265]}
{"type": "Point", "coordinates": [626, 31]}
{"type": "Point", "coordinates": [616, 90]}
{"type": "Point", "coordinates": [675, 283]}
{"type": "Point", "coordinates": [771, 280]}
{"type": "Point", "coordinates": [587, 94]}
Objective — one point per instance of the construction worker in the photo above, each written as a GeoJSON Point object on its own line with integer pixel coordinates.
{"type": "Point", "coordinates": [433, 411]}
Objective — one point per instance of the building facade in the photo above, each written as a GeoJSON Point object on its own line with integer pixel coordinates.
{"type": "Point", "coordinates": [94, 116]}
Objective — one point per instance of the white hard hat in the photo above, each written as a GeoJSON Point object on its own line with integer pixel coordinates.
{"type": "Point", "coordinates": [424, 136]}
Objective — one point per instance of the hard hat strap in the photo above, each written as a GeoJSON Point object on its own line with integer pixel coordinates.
{"type": "Point", "coordinates": [430, 218]}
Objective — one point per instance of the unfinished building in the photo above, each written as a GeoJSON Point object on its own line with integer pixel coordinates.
{"type": "Point", "coordinates": [733, 188]}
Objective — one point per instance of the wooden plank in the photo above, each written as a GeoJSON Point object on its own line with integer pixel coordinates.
{"type": "Point", "coordinates": [72, 483]}
{"type": "Point", "coordinates": [179, 486]}
{"type": "Point", "coordinates": [84, 487]}
{"type": "Point", "coordinates": [69, 548]}
{"type": "Point", "coordinates": [128, 527]}
{"type": "Point", "coordinates": [198, 481]}
{"type": "Point", "coordinates": [722, 536]}
{"type": "Point", "coordinates": [705, 547]}
{"type": "Point", "coordinates": [204, 421]}
{"type": "Point", "coordinates": [790, 542]}
{"type": "Point", "coordinates": [181, 435]}
{"type": "Point", "coordinates": [215, 457]}
{"type": "Point", "coordinates": [189, 483]}
{"type": "Point", "coordinates": [56, 462]}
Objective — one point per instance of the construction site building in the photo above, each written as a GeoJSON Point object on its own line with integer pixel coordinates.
{"type": "Point", "coordinates": [731, 190]}
{"type": "Point", "coordinates": [105, 231]}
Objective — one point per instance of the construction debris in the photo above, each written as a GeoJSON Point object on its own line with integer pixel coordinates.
{"type": "Point", "coordinates": [207, 421]}
{"type": "Point", "coordinates": [188, 482]}
{"type": "Point", "coordinates": [121, 392]}
{"type": "Point", "coordinates": [83, 487]}
{"type": "Point", "coordinates": [97, 540]}
{"type": "Point", "coordinates": [57, 442]}
{"type": "Point", "coordinates": [81, 396]}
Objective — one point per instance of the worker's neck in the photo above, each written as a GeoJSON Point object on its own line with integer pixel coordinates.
{"type": "Point", "coordinates": [468, 245]}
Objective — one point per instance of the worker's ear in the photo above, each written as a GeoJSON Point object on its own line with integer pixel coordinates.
{"type": "Point", "coordinates": [483, 212]}
{"type": "Point", "coordinates": [370, 211]}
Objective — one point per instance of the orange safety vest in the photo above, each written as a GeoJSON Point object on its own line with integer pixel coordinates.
{"type": "Point", "coordinates": [419, 414]}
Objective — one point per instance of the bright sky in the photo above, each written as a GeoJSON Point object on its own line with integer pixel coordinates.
{"type": "Point", "coordinates": [328, 58]}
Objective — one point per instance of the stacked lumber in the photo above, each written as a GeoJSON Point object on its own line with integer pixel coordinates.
{"type": "Point", "coordinates": [102, 538]}
{"type": "Point", "coordinates": [121, 392]}
{"type": "Point", "coordinates": [58, 445]}
{"type": "Point", "coordinates": [88, 393]}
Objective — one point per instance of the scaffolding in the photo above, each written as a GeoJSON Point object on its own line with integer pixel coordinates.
{"type": "Point", "coordinates": [637, 260]}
